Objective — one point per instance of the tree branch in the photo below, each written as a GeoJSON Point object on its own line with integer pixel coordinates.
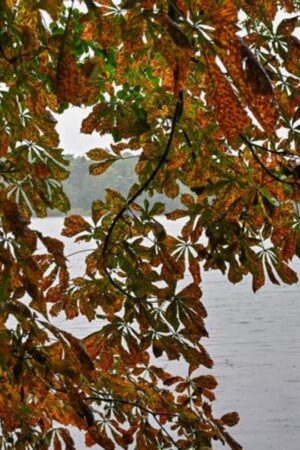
{"type": "Point", "coordinates": [119, 215]}
{"type": "Point", "coordinates": [266, 169]}
{"type": "Point", "coordinates": [166, 432]}
{"type": "Point", "coordinates": [135, 404]}
{"type": "Point", "coordinates": [177, 113]}
{"type": "Point", "coordinates": [154, 414]}
{"type": "Point", "coordinates": [280, 152]}
{"type": "Point", "coordinates": [187, 138]}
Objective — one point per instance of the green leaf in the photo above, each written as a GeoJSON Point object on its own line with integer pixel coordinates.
{"type": "Point", "coordinates": [266, 194]}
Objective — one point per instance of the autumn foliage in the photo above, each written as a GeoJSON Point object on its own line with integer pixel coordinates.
{"type": "Point", "coordinates": [205, 95]}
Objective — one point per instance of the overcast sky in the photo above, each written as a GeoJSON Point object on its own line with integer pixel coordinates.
{"type": "Point", "coordinates": [71, 140]}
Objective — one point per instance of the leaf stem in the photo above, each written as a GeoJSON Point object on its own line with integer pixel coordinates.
{"type": "Point", "coordinates": [81, 251]}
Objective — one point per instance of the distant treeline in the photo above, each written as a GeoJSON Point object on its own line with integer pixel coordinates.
{"type": "Point", "coordinates": [82, 188]}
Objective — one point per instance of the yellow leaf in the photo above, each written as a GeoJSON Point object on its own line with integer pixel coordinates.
{"type": "Point", "coordinates": [98, 154]}
{"type": "Point", "coordinates": [74, 225]}
{"type": "Point", "coordinates": [99, 168]}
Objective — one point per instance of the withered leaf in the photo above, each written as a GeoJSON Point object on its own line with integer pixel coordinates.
{"type": "Point", "coordinates": [255, 72]}
{"type": "Point", "coordinates": [75, 224]}
{"type": "Point", "coordinates": [230, 419]}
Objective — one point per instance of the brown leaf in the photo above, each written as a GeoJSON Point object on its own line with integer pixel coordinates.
{"type": "Point", "coordinates": [233, 444]}
{"type": "Point", "coordinates": [258, 280]}
{"type": "Point", "coordinates": [95, 436]}
{"type": "Point", "coordinates": [56, 443]}
{"type": "Point", "coordinates": [287, 275]}
{"type": "Point", "coordinates": [172, 380]}
{"type": "Point", "coordinates": [270, 273]}
{"type": "Point", "coordinates": [194, 268]}
{"type": "Point", "coordinates": [80, 351]}
{"type": "Point", "coordinates": [54, 246]}
{"type": "Point", "coordinates": [192, 291]}
{"type": "Point", "coordinates": [230, 419]}
{"type": "Point", "coordinates": [98, 210]}
{"type": "Point", "coordinates": [289, 247]}
{"type": "Point", "coordinates": [287, 26]}
{"type": "Point", "coordinates": [177, 34]}
{"type": "Point", "coordinates": [206, 382]}
{"type": "Point", "coordinates": [74, 225]}
{"type": "Point", "coordinates": [99, 168]}
{"type": "Point", "coordinates": [255, 73]}
{"type": "Point", "coordinates": [67, 438]}
{"type": "Point", "coordinates": [227, 107]}
{"type": "Point", "coordinates": [234, 274]}
{"type": "Point", "coordinates": [252, 82]}
{"type": "Point", "coordinates": [41, 171]}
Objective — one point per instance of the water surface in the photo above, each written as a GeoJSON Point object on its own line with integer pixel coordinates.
{"type": "Point", "coordinates": [255, 342]}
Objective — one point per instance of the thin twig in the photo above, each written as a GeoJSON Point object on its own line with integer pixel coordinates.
{"type": "Point", "coordinates": [275, 152]}
{"type": "Point", "coordinates": [266, 169]}
{"type": "Point", "coordinates": [117, 286]}
{"type": "Point", "coordinates": [187, 138]}
{"type": "Point", "coordinates": [81, 251]}
{"type": "Point", "coordinates": [165, 431]}
{"type": "Point", "coordinates": [128, 402]}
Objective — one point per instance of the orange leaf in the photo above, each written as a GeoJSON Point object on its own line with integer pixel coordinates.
{"type": "Point", "coordinates": [74, 225]}
{"type": "Point", "coordinates": [206, 382]}
{"type": "Point", "coordinates": [99, 168]}
{"type": "Point", "coordinates": [56, 443]}
{"type": "Point", "coordinates": [225, 104]}
{"type": "Point", "coordinates": [98, 154]}
{"type": "Point", "coordinates": [41, 171]}
{"type": "Point", "coordinates": [95, 436]}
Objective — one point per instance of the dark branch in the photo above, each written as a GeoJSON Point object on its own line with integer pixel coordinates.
{"type": "Point", "coordinates": [154, 414]}
{"type": "Point", "coordinates": [275, 152]}
{"type": "Point", "coordinates": [90, 5]}
{"type": "Point", "coordinates": [117, 286]}
{"type": "Point", "coordinates": [187, 138]}
{"type": "Point", "coordinates": [166, 432]}
{"type": "Point", "coordinates": [266, 169]}
{"type": "Point", "coordinates": [176, 117]}
{"type": "Point", "coordinates": [163, 158]}
{"type": "Point", "coordinates": [135, 404]}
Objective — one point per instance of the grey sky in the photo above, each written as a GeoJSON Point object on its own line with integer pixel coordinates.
{"type": "Point", "coordinates": [71, 140]}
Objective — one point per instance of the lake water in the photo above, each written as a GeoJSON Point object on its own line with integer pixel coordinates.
{"type": "Point", "coordinates": [255, 342]}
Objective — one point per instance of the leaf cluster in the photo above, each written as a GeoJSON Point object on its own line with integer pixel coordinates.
{"type": "Point", "coordinates": [211, 118]}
